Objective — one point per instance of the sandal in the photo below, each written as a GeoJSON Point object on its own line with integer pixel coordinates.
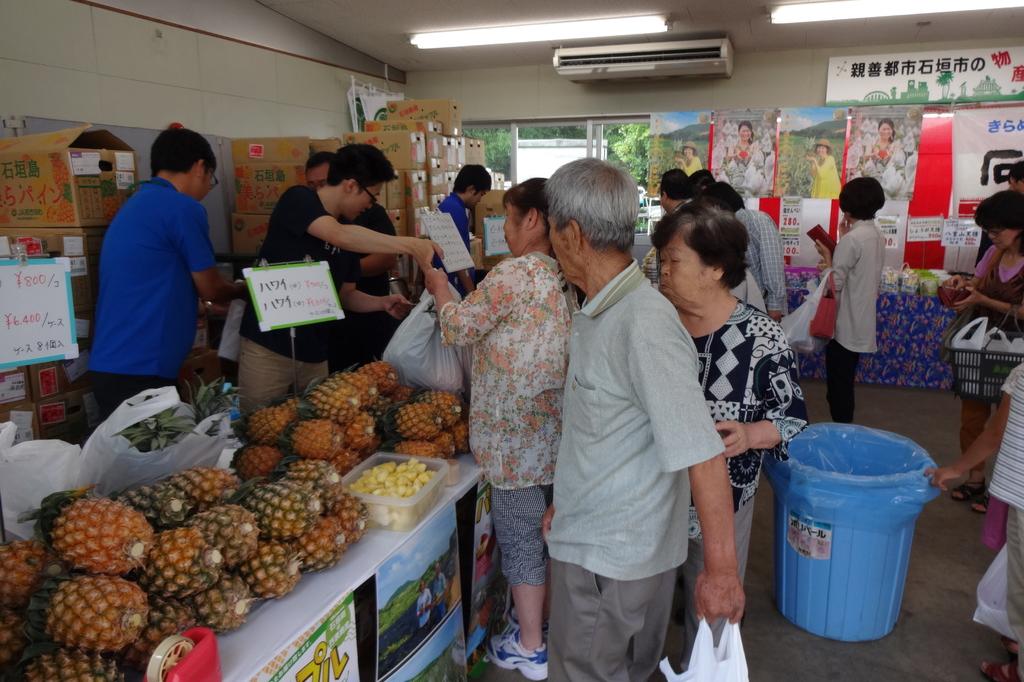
{"type": "Point", "coordinates": [966, 491]}
{"type": "Point", "coordinates": [1000, 672]}
{"type": "Point", "coordinates": [979, 504]}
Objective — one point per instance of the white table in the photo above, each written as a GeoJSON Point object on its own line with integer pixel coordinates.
{"type": "Point", "coordinates": [273, 625]}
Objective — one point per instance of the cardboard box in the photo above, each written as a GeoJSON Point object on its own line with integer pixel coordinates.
{"type": "Point", "coordinates": [435, 145]}
{"type": "Point", "coordinates": [68, 417]}
{"type": "Point", "coordinates": [397, 216]}
{"type": "Point", "coordinates": [258, 186]}
{"type": "Point", "coordinates": [248, 232]}
{"type": "Point", "coordinates": [14, 386]}
{"type": "Point", "coordinates": [24, 416]}
{"type": "Point", "coordinates": [435, 200]}
{"type": "Point", "coordinates": [200, 364]}
{"type": "Point", "coordinates": [452, 152]}
{"type": "Point", "coordinates": [437, 182]}
{"type": "Point", "coordinates": [327, 144]}
{"type": "Point", "coordinates": [74, 373]}
{"type": "Point", "coordinates": [405, 150]}
{"type": "Point", "coordinates": [475, 151]}
{"type": "Point", "coordinates": [83, 328]}
{"type": "Point", "coordinates": [392, 195]}
{"type": "Point", "coordinates": [449, 178]}
{"type": "Point", "coordinates": [476, 250]}
{"type": "Point", "coordinates": [81, 245]}
{"type": "Point", "coordinates": [416, 194]}
{"type": "Point", "coordinates": [414, 218]}
{"type": "Point", "coordinates": [403, 126]}
{"type": "Point", "coordinates": [45, 380]}
{"type": "Point", "coordinates": [71, 177]}
{"type": "Point", "coordinates": [492, 204]}
{"type": "Point", "coordinates": [284, 150]}
{"type": "Point", "coordinates": [460, 152]}
{"type": "Point", "coordinates": [447, 112]}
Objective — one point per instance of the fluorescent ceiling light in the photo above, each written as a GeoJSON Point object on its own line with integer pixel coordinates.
{"type": "Point", "coordinates": [537, 33]}
{"type": "Point", "coordinates": [864, 9]}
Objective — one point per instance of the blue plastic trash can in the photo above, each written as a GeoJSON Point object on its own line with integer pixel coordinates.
{"type": "Point", "coordinates": [845, 507]}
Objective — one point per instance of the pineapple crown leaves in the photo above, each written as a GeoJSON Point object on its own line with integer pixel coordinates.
{"type": "Point", "coordinates": [210, 398]}
{"type": "Point", "coordinates": [281, 470]}
{"type": "Point", "coordinates": [245, 490]}
{"type": "Point", "coordinates": [49, 509]}
{"type": "Point", "coordinates": [31, 652]}
{"type": "Point", "coordinates": [38, 607]}
{"type": "Point", "coordinates": [159, 431]}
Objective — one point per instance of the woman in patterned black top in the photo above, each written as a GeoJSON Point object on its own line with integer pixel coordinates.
{"type": "Point", "coordinates": [747, 369]}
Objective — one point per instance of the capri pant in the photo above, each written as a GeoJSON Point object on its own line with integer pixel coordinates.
{"type": "Point", "coordinates": [517, 514]}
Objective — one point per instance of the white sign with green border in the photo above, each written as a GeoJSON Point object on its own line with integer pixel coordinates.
{"type": "Point", "coordinates": [327, 653]}
{"type": "Point", "coordinates": [293, 294]}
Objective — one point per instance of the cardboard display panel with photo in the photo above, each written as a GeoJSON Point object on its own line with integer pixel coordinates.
{"type": "Point", "coordinates": [679, 139]}
{"type": "Point", "coordinates": [883, 145]}
{"type": "Point", "coordinates": [744, 153]}
{"type": "Point", "coordinates": [811, 145]}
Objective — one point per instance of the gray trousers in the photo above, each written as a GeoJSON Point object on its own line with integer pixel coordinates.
{"type": "Point", "coordinates": [606, 630]}
{"type": "Point", "coordinates": [742, 523]}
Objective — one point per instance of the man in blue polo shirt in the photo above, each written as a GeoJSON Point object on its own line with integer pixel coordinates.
{"type": "Point", "coordinates": [471, 184]}
{"type": "Point", "coordinates": [157, 262]}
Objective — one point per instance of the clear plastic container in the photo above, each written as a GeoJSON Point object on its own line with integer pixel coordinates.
{"type": "Point", "coordinates": [399, 513]}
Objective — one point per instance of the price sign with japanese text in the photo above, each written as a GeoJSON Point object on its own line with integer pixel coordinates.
{"type": "Point", "coordinates": [37, 318]}
{"type": "Point", "coordinates": [961, 233]}
{"type": "Point", "coordinates": [326, 652]}
{"type": "Point", "coordinates": [791, 216]}
{"type": "Point", "coordinates": [293, 294]}
{"type": "Point", "coordinates": [441, 229]}
{"type": "Point", "coordinates": [494, 236]}
{"type": "Point", "coordinates": [890, 227]}
{"type": "Point", "coordinates": [924, 229]}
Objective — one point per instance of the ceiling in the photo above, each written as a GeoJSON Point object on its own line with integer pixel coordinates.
{"type": "Point", "coordinates": [381, 29]}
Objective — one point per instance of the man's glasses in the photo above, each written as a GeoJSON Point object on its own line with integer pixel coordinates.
{"type": "Point", "coordinates": [373, 197]}
{"type": "Point", "coordinates": [213, 181]}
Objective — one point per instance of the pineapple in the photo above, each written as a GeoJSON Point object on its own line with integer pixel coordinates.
{"type": "Point", "coordinates": [210, 398]}
{"type": "Point", "coordinates": [181, 564]}
{"type": "Point", "coordinates": [23, 567]}
{"type": "Point", "coordinates": [314, 438]}
{"type": "Point", "coordinates": [334, 399]}
{"type": "Point", "coordinates": [449, 406]}
{"type": "Point", "coordinates": [159, 431]}
{"type": "Point", "coordinates": [256, 461]}
{"type": "Point", "coordinates": [419, 448]}
{"type": "Point", "coordinates": [224, 606]}
{"type": "Point", "coordinates": [273, 571]}
{"type": "Point", "coordinates": [96, 612]}
{"type": "Point", "coordinates": [205, 486]}
{"type": "Point", "coordinates": [364, 384]}
{"type": "Point", "coordinates": [461, 433]}
{"type": "Point", "coordinates": [265, 426]}
{"type": "Point", "coordinates": [353, 515]}
{"type": "Point", "coordinates": [402, 394]}
{"type": "Point", "coordinates": [166, 617]}
{"type": "Point", "coordinates": [69, 665]}
{"type": "Point", "coordinates": [99, 535]}
{"type": "Point", "coordinates": [323, 545]}
{"type": "Point", "coordinates": [12, 638]}
{"type": "Point", "coordinates": [416, 421]}
{"type": "Point", "coordinates": [231, 529]}
{"type": "Point", "coordinates": [284, 509]}
{"type": "Point", "coordinates": [383, 374]}
{"type": "Point", "coordinates": [446, 443]}
{"type": "Point", "coordinates": [361, 433]}
{"type": "Point", "coordinates": [345, 460]}
{"type": "Point", "coordinates": [163, 505]}
{"type": "Point", "coordinates": [320, 477]}
{"type": "Point", "coordinates": [379, 408]}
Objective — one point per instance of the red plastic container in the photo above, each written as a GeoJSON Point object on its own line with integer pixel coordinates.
{"type": "Point", "coordinates": [201, 664]}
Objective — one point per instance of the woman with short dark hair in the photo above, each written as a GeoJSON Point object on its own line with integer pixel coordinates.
{"type": "Point", "coordinates": [747, 369]}
{"type": "Point", "coordinates": [857, 270]}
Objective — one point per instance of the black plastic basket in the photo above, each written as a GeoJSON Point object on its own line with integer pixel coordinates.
{"type": "Point", "coordinates": [979, 374]}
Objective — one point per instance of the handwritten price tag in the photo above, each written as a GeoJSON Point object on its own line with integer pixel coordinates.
{"type": "Point", "coordinates": [441, 229]}
{"type": "Point", "coordinates": [494, 236]}
{"type": "Point", "coordinates": [37, 319]}
{"type": "Point", "coordinates": [791, 217]}
{"type": "Point", "coordinates": [293, 294]}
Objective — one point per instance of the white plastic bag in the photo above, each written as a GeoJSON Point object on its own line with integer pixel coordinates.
{"type": "Point", "coordinates": [725, 663]}
{"type": "Point", "coordinates": [420, 357]}
{"type": "Point", "coordinates": [797, 325]}
{"type": "Point", "coordinates": [109, 462]}
{"type": "Point", "coordinates": [991, 611]}
{"type": "Point", "coordinates": [230, 338]}
{"type": "Point", "coordinates": [30, 471]}
{"type": "Point", "coordinates": [972, 336]}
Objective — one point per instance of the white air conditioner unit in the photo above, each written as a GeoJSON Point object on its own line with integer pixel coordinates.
{"type": "Point", "coordinates": [646, 60]}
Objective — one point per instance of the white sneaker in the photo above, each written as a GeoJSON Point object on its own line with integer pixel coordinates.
{"type": "Point", "coordinates": [506, 652]}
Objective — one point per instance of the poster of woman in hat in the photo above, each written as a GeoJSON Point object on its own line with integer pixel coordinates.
{"type": "Point", "coordinates": [744, 151]}
{"type": "Point", "coordinates": [811, 144]}
{"type": "Point", "coordinates": [679, 139]}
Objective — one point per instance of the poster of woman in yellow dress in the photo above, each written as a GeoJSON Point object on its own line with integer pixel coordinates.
{"type": "Point", "coordinates": [811, 145]}
{"type": "Point", "coordinates": [687, 159]}
{"type": "Point", "coordinates": [679, 139]}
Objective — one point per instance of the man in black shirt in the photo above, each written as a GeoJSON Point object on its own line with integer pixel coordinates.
{"type": "Point", "coordinates": [305, 223]}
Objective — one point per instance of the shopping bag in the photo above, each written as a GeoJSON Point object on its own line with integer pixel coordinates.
{"type": "Point", "coordinates": [797, 325]}
{"type": "Point", "coordinates": [823, 324]}
{"type": "Point", "coordinates": [112, 464]}
{"type": "Point", "coordinates": [991, 611]}
{"type": "Point", "coordinates": [972, 336]}
{"type": "Point", "coordinates": [993, 531]}
{"type": "Point", "coordinates": [230, 337]}
{"type": "Point", "coordinates": [420, 357]}
{"type": "Point", "coordinates": [725, 663]}
{"type": "Point", "coordinates": [30, 471]}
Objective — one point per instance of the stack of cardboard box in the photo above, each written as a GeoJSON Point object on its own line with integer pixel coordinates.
{"type": "Point", "coordinates": [405, 145]}
{"type": "Point", "coordinates": [63, 188]}
{"type": "Point", "coordinates": [264, 168]}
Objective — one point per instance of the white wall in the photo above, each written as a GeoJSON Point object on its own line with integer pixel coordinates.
{"type": "Point", "coordinates": [60, 59]}
{"type": "Point", "coordinates": [783, 78]}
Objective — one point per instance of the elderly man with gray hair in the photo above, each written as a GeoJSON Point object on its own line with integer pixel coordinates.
{"type": "Point", "coordinates": [636, 436]}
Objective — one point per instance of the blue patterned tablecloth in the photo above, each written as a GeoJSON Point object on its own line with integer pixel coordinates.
{"type": "Point", "coordinates": [909, 337]}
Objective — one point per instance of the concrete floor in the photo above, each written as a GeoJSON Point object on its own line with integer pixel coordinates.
{"type": "Point", "coordinates": [935, 638]}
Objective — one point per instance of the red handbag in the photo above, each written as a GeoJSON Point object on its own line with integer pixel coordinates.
{"type": "Point", "coordinates": [823, 324]}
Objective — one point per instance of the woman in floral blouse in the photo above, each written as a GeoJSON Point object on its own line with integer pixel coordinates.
{"type": "Point", "coordinates": [747, 369]}
{"type": "Point", "coordinates": [518, 323]}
